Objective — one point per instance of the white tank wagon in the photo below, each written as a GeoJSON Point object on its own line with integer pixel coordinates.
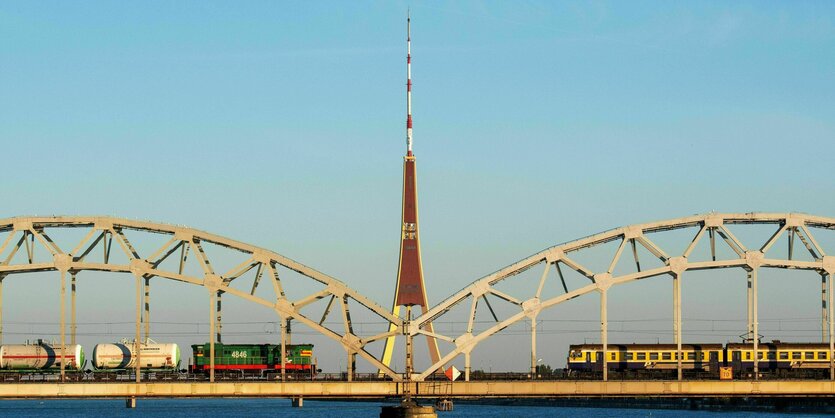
{"type": "Point", "coordinates": [41, 356]}
{"type": "Point", "coordinates": [122, 355]}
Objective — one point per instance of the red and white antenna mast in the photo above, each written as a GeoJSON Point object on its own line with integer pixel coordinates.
{"type": "Point", "coordinates": [410, 289]}
{"type": "Point", "coordinates": [408, 84]}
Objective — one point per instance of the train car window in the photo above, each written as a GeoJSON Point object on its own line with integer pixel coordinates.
{"type": "Point", "coordinates": [629, 356]}
{"type": "Point", "coordinates": [771, 355]}
{"type": "Point", "coordinates": [599, 356]}
{"type": "Point", "coordinates": [690, 356]}
{"type": "Point", "coordinates": [821, 355]}
{"type": "Point", "coordinates": [795, 355]}
{"type": "Point", "coordinates": [810, 355]}
{"type": "Point", "coordinates": [613, 356]}
{"type": "Point", "coordinates": [666, 356]}
{"type": "Point", "coordinates": [760, 355]}
{"type": "Point", "coordinates": [653, 356]}
{"type": "Point", "coordinates": [747, 355]}
{"type": "Point", "coordinates": [784, 355]}
{"type": "Point", "coordinates": [642, 356]}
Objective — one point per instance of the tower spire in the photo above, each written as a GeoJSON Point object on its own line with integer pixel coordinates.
{"type": "Point", "coordinates": [408, 83]}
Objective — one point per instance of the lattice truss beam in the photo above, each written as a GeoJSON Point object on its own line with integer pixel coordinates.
{"type": "Point", "coordinates": [106, 235]}
{"type": "Point", "coordinates": [713, 230]}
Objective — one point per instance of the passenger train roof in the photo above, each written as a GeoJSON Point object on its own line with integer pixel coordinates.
{"type": "Point", "coordinates": [645, 347]}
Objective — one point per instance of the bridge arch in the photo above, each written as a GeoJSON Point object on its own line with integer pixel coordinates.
{"type": "Point", "coordinates": [674, 264]}
{"type": "Point", "coordinates": [25, 234]}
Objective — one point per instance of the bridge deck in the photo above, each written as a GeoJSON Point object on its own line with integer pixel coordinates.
{"type": "Point", "coordinates": [479, 389]}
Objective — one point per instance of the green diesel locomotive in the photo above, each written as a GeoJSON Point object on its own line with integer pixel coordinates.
{"type": "Point", "coordinates": [254, 358]}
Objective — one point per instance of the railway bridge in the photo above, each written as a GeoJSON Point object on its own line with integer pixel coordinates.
{"type": "Point", "coordinates": [29, 245]}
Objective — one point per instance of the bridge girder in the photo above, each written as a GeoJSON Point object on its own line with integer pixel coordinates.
{"type": "Point", "coordinates": [32, 232]}
{"type": "Point", "coordinates": [600, 280]}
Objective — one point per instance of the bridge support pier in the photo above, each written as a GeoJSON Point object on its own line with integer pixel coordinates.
{"type": "Point", "coordinates": [831, 331]}
{"type": "Point", "coordinates": [750, 331]}
{"type": "Point", "coordinates": [604, 334]}
{"type": "Point", "coordinates": [147, 318]}
{"type": "Point", "coordinates": [824, 309]}
{"type": "Point", "coordinates": [212, 333]}
{"type": "Point", "coordinates": [533, 348]}
{"type": "Point", "coordinates": [1, 308]}
{"type": "Point", "coordinates": [753, 318]}
{"type": "Point", "coordinates": [137, 344]}
{"type": "Point", "coordinates": [63, 323]}
{"type": "Point", "coordinates": [284, 349]}
{"type": "Point", "coordinates": [72, 308]}
{"type": "Point", "coordinates": [352, 365]}
{"type": "Point", "coordinates": [297, 402]}
{"type": "Point", "coordinates": [219, 311]}
{"type": "Point", "coordinates": [677, 321]}
{"type": "Point", "coordinates": [130, 403]}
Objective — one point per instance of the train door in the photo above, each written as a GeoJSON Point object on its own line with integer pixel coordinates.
{"type": "Point", "coordinates": [713, 361]}
{"type": "Point", "coordinates": [589, 354]}
{"type": "Point", "coordinates": [736, 360]}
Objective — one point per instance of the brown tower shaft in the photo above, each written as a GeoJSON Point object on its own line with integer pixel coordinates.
{"type": "Point", "coordinates": [410, 288]}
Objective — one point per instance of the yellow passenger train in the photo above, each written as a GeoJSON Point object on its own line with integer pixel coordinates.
{"type": "Point", "coordinates": [779, 358]}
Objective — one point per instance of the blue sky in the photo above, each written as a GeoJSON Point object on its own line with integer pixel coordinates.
{"type": "Point", "coordinates": [282, 124]}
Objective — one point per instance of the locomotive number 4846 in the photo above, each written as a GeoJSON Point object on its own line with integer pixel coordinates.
{"type": "Point", "coordinates": [239, 354]}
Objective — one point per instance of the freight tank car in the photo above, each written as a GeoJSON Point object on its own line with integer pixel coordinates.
{"type": "Point", "coordinates": [40, 356]}
{"type": "Point", "coordinates": [254, 358]}
{"type": "Point", "coordinates": [122, 355]}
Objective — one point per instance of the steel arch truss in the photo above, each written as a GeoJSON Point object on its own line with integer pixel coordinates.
{"type": "Point", "coordinates": [631, 239]}
{"type": "Point", "coordinates": [107, 234]}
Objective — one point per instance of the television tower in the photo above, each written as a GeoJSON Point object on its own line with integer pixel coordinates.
{"type": "Point", "coordinates": [410, 289]}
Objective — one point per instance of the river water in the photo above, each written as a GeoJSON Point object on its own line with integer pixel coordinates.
{"type": "Point", "coordinates": [227, 408]}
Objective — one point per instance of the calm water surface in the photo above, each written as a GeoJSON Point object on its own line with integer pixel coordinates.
{"type": "Point", "coordinates": [225, 408]}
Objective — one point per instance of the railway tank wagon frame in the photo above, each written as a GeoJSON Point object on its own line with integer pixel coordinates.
{"type": "Point", "coordinates": [40, 356]}
{"type": "Point", "coordinates": [120, 356]}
